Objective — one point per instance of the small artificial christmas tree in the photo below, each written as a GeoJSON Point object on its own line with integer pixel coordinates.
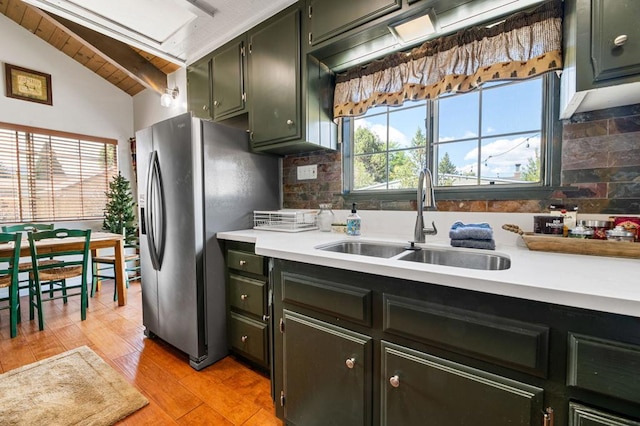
{"type": "Point", "coordinates": [119, 216]}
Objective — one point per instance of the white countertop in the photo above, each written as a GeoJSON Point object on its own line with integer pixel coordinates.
{"type": "Point", "coordinates": [605, 284]}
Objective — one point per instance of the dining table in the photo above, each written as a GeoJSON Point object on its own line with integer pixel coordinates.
{"type": "Point", "coordinates": [99, 240]}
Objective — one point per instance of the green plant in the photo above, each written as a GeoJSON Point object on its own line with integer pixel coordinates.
{"type": "Point", "coordinates": [119, 215]}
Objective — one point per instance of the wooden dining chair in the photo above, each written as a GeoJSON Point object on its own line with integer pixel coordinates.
{"type": "Point", "coordinates": [25, 267]}
{"type": "Point", "coordinates": [9, 277]}
{"type": "Point", "coordinates": [70, 263]}
{"type": "Point", "coordinates": [28, 227]}
{"type": "Point", "coordinates": [103, 267]}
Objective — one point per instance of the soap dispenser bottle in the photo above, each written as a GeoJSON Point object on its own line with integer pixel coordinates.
{"type": "Point", "coordinates": [353, 222]}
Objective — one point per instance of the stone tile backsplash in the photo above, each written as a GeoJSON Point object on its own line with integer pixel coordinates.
{"type": "Point", "coordinates": [600, 172]}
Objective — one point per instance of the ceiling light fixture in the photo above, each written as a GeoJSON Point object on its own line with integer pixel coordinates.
{"type": "Point", "coordinates": [167, 98]}
{"type": "Point", "coordinates": [414, 28]}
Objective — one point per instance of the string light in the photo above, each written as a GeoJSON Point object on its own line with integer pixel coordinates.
{"type": "Point", "coordinates": [485, 161]}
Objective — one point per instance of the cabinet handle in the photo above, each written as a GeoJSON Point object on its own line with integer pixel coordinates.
{"type": "Point", "coordinates": [351, 362]}
{"type": "Point", "coordinates": [289, 122]}
{"type": "Point", "coordinates": [547, 417]}
{"type": "Point", "coordinates": [395, 381]}
{"type": "Point", "coordinates": [265, 317]}
{"type": "Point", "coordinates": [216, 103]}
{"type": "Point", "coordinates": [244, 296]}
{"type": "Point", "coordinates": [243, 262]}
{"type": "Point", "coordinates": [620, 40]}
{"type": "Point", "coordinates": [204, 107]}
{"type": "Point", "coordinates": [244, 339]}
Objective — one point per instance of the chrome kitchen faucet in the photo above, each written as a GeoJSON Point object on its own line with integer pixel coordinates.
{"type": "Point", "coordinates": [425, 200]}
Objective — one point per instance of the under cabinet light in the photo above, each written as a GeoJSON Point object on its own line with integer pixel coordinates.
{"type": "Point", "coordinates": [414, 28]}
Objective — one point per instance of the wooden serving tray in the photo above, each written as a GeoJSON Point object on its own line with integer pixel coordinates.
{"type": "Point", "coordinates": [538, 242]}
{"type": "Point", "coordinates": [581, 246]}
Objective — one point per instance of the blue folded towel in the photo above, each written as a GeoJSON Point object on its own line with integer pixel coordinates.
{"type": "Point", "coordinates": [471, 231]}
{"type": "Point", "coordinates": [477, 244]}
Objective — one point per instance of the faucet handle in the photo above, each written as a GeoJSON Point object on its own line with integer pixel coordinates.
{"type": "Point", "coordinates": [431, 231]}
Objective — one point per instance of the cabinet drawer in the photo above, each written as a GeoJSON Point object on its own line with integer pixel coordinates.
{"type": "Point", "coordinates": [346, 302]}
{"type": "Point", "coordinates": [247, 294]}
{"type": "Point", "coordinates": [511, 343]}
{"type": "Point", "coordinates": [249, 337]}
{"type": "Point", "coordinates": [604, 366]}
{"type": "Point", "coordinates": [579, 415]}
{"type": "Point", "coordinates": [247, 262]}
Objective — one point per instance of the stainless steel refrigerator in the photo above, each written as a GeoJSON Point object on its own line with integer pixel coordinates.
{"type": "Point", "coordinates": [195, 178]}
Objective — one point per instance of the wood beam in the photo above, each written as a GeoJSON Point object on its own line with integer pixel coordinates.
{"type": "Point", "coordinates": [118, 54]}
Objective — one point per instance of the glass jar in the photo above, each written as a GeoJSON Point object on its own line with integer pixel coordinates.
{"type": "Point", "coordinates": [325, 217]}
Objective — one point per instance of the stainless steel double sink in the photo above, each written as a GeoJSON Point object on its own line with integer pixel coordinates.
{"type": "Point", "coordinates": [436, 256]}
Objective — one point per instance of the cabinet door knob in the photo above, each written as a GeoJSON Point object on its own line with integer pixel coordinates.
{"type": "Point", "coordinates": [244, 296]}
{"type": "Point", "coordinates": [243, 262]}
{"type": "Point", "coordinates": [350, 362]}
{"type": "Point", "coordinates": [244, 339]}
{"type": "Point", "coordinates": [216, 103]}
{"type": "Point", "coordinates": [265, 317]}
{"type": "Point", "coordinates": [395, 381]}
{"type": "Point", "coordinates": [620, 40]}
{"type": "Point", "coordinates": [289, 122]}
{"type": "Point", "coordinates": [204, 107]}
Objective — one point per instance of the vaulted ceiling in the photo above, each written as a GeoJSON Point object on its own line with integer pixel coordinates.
{"type": "Point", "coordinates": [130, 69]}
{"type": "Point", "coordinates": [129, 58]}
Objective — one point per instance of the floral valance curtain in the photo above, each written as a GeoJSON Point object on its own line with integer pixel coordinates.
{"type": "Point", "coordinates": [525, 45]}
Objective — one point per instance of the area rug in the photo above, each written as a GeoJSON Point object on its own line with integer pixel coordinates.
{"type": "Point", "coordinates": [73, 388]}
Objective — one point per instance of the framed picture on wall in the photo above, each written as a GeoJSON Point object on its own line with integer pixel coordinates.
{"type": "Point", "coordinates": [28, 85]}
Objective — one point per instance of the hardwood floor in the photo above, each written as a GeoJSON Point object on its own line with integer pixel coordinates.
{"type": "Point", "coordinates": [226, 393]}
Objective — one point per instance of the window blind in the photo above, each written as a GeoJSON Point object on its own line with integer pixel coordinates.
{"type": "Point", "coordinates": [53, 176]}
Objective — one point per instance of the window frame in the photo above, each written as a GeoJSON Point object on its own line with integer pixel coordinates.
{"type": "Point", "coordinates": [24, 213]}
{"type": "Point", "coordinates": [550, 161]}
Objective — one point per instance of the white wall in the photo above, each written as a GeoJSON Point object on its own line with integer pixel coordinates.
{"type": "Point", "coordinates": [83, 102]}
{"type": "Point", "coordinates": [146, 104]}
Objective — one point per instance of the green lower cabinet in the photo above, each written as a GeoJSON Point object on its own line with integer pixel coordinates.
{"type": "Point", "coordinates": [328, 373]}
{"type": "Point", "coordinates": [580, 415]}
{"type": "Point", "coordinates": [249, 338]}
{"type": "Point", "coordinates": [421, 389]}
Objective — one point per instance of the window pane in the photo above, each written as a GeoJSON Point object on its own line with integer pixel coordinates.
{"type": "Point", "coordinates": [514, 159]}
{"type": "Point", "coordinates": [404, 167]}
{"type": "Point", "coordinates": [9, 177]}
{"type": "Point", "coordinates": [458, 116]}
{"type": "Point", "coordinates": [512, 107]}
{"type": "Point", "coordinates": [457, 163]}
{"type": "Point", "coordinates": [370, 172]}
{"type": "Point", "coordinates": [55, 177]}
{"type": "Point", "coordinates": [406, 124]}
{"type": "Point", "coordinates": [370, 134]}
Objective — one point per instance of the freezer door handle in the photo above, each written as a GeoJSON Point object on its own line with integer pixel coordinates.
{"type": "Point", "coordinates": [155, 212]}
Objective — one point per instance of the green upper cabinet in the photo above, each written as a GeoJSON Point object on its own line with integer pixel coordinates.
{"type": "Point", "coordinates": [290, 97]}
{"type": "Point", "coordinates": [328, 18]}
{"type": "Point", "coordinates": [615, 38]}
{"type": "Point", "coordinates": [228, 72]}
{"type": "Point", "coordinates": [274, 79]}
{"type": "Point", "coordinates": [199, 88]}
{"type": "Point", "coordinates": [601, 44]}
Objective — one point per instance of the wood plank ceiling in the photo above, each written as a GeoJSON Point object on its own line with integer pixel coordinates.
{"type": "Point", "coordinates": [130, 69]}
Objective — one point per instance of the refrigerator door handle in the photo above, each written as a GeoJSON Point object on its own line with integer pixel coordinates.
{"type": "Point", "coordinates": [155, 212]}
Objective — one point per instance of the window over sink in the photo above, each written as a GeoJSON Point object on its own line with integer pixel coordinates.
{"type": "Point", "coordinates": [499, 137]}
